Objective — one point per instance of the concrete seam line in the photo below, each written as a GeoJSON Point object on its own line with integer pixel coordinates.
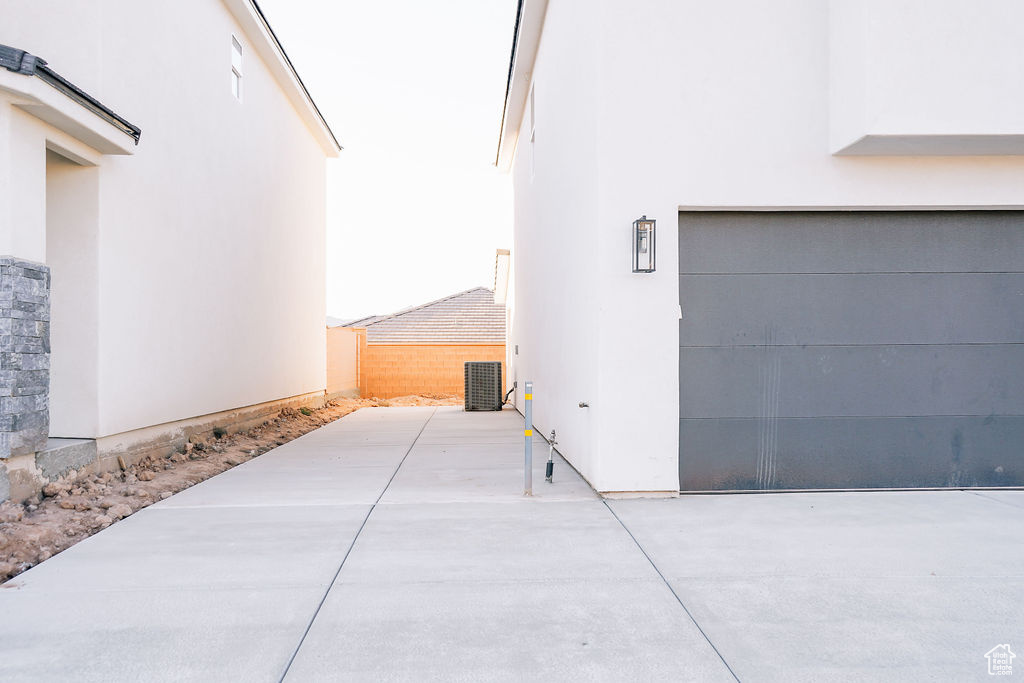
{"type": "Point", "coordinates": [994, 500]}
{"type": "Point", "coordinates": [348, 552]}
{"type": "Point", "coordinates": [672, 590]}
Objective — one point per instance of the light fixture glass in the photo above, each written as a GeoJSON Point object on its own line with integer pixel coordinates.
{"type": "Point", "coordinates": [643, 245]}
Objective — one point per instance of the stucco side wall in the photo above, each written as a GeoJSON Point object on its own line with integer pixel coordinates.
{"type": "Point", "coordinates": [649, 107]}
{"type": "Point", "coordinates": [762, 138]}
{"type": "Point", "coordinates": [22, 182]}
{"type": "Point", "coordinates": [217, 224]}
{"type": "Point", "coordinates": [211, 253]}
{"type": "Point", "coordinates": [389, 370]}
{"type": "Point", "coordinates": [639, 312]}
{"type": "Point", "coordinates": [211, 240]}
{"type": "Point", "coordinates": [705, 108]}
{"type": "Point", "coordinates": [554, 281]}
{"type": "Point", "coordinates": [67, 35]}
{"type": "Point", "coordinates": [72, 236]}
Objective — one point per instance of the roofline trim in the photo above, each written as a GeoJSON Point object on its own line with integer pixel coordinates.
{"type": "Point", "coordinates": [27, 64]}
{"type": "Point", "coordinates": [525, 42]}
{"type": "Point", "coordinates": [254, 23]}
{"type": "Point", "coordinates": [295, 72]}
{"type": "Point", "coordinates": [54, 79]}
{"type": "Point", "coordinates": [508, 80]}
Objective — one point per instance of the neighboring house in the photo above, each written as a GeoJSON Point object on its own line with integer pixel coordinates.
{"type": "Point", "coordinates": [838, 293]}
{"type": "Point", "coordinates": [164, 169]}
{"type": "Point", "coordinates": [422, 350]}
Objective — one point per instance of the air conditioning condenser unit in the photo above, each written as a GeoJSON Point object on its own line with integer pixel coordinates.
{"type": "Point", "coordinates": [483, 385]}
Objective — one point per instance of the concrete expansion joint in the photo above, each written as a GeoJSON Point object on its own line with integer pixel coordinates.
{"type": "Point", "coordinates": [672, 590]}
{"type": "Point", "coordinates": [352, 545]}
{"type": "Point", "coordinates": [628, 495]}
{"type": "Point", "coordinates": [994, 500]}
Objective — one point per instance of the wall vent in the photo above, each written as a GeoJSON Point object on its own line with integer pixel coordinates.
{"type": "Point", "coordinates": [483, 385]}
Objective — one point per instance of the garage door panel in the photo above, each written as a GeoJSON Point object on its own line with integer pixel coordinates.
{"type": "Point", "coordinates": [851, 242]}
{"type": "Point", "coordinates": [851, 349]}
{"type": "Point", "coordinates": [730, 454]}
{"type": "Point", "coordinates": [842, 381]}
{"type": "Point", "coordinates": [919, 308]}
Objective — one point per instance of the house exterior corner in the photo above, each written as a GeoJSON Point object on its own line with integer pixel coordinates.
{"type": "Point", "coordinates": [832, 301]}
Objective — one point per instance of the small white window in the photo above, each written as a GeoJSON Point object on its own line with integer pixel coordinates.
{"type": "Point", "coordinates": [236, 68]}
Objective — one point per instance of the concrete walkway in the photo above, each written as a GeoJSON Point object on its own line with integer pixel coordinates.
{"type": "Point", "coordinates": [395, 544]}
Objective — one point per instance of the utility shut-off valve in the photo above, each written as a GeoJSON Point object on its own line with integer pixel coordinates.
{"type": "Point", "coordinates": [550, 470]}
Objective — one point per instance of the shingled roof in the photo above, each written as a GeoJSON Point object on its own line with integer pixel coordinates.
{"type": "Point", "coordinates": [363, 322]}
{"type": "Point", "coordinates": [469, 317]}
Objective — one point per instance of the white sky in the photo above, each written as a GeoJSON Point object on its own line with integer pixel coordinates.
{"type": "Point", "coordinates": [413, 89]}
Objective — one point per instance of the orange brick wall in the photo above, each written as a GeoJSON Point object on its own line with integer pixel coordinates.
{"type": "Point", "coordinates": [389, 370]}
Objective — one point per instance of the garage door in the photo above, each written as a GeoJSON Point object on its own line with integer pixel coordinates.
{"type": "Point", "coordinates": [851, 350]}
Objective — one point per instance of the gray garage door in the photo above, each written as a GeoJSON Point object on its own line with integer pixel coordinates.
{"type": "Point", "coordinates": [851, 349]}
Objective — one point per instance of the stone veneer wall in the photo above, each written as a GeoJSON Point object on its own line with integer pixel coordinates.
{"type": "Point", "coordinates": [24, 357]}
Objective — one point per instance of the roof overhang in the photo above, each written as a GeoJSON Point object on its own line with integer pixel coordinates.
{"type": "Point", "coordinates": [526, 40]}
{"type": "Point", "coordinates": [45, 101]}
{"type": "Point", "coordinates": [249, 15]}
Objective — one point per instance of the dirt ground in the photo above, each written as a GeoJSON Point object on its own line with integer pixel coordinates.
{"type": "Point", "coordinates": [69, 511]}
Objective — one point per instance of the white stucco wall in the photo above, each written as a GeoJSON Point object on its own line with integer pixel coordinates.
{"type": "Point", "coordinates": [554, 289]}
{"type": "Point", "coordinates": [211, 236]}
{"type": "Point", "coordinates": [898, 71]}
{"type": "Point", "coordinates": [651, 106]}
{"type": "Point", "coordinates": [72, 244]}
{"type": "Point", "coordinates": [27, 178]}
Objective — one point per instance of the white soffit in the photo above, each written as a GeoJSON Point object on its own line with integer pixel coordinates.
{"type": "Point", "coordinates": [935, 145]}
{"type": "Point", "coordinates": [255, 26]}
{"type": "Point", "coordinates": [524, 53]}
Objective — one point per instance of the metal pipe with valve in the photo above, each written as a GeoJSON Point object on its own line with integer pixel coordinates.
{"type": "Point", "coordinates": [550, 469]}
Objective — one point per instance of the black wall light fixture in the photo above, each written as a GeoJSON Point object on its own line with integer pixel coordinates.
{"type": "Point", "coordinates": [643, 245]}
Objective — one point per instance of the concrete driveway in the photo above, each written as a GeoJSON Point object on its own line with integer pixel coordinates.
{"type": "Point", "coordinates": [395, 544]}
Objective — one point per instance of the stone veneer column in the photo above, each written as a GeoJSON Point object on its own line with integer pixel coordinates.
{"type": "Point", "coordinates": [24, 356]}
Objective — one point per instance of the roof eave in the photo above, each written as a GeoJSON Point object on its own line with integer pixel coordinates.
{"type": "Point", "coordinates": [38, 98]}
{"type": "Point", "coordinates": [55, 80]}
{"type": "Point", "coordinates": [525, 41]}
{"type": "Point", "coordinates": [255, 25]}
{"type": "Point", "coordinates": [63, 104]}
